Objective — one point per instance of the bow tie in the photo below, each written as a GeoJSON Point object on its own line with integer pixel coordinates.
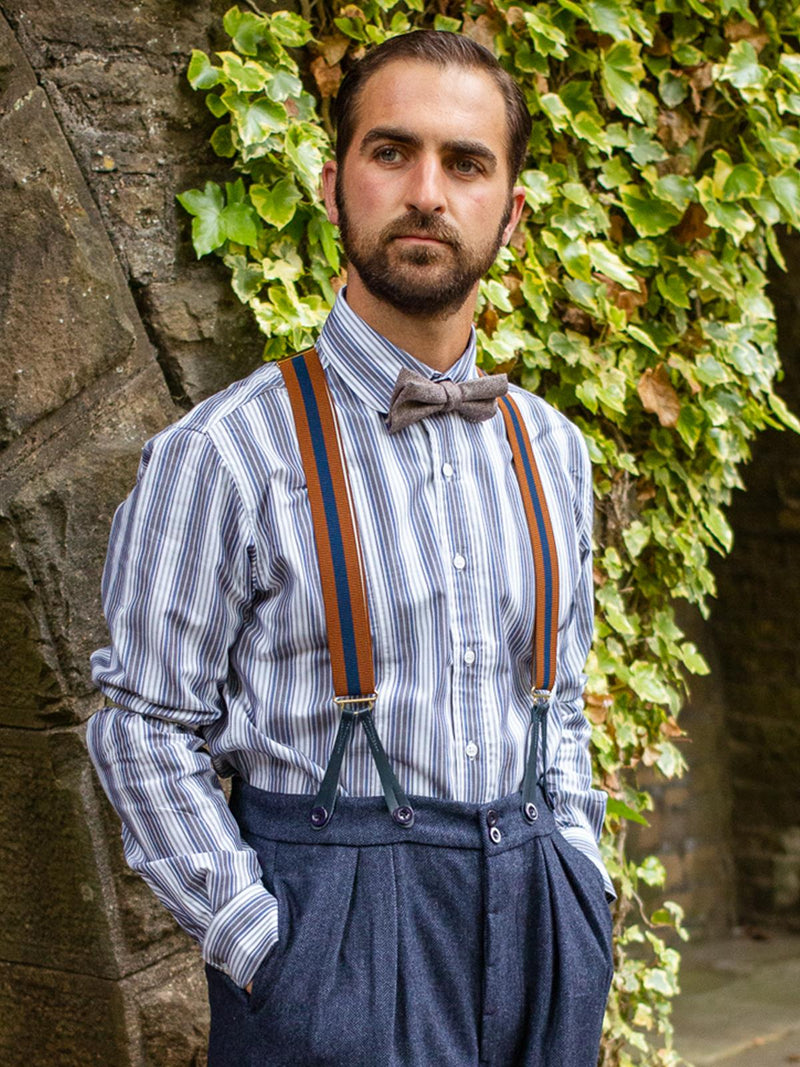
{"type": "Point", "coordinates": [415, 397]}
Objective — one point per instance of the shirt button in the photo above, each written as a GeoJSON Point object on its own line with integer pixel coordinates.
{"type": "Point", "coordinates": [459, 562]}
{"type": "Point", "coordinates": [447, 470]}
{"type": "Point", "coordinates": [471, 749]}
{"type": "Point", "coordinates": [469, 656]}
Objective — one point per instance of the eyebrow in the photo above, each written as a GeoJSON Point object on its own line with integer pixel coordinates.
{"type": "Point", "coordinates": [402, 136]}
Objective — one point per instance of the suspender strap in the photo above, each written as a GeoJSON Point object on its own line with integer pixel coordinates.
{"type": "Point", "coordinates": [545, 560]}
{"type": "Point", "coordinates": [341, 570]}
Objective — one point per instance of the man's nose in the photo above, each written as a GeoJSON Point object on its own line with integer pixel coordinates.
{"type": "Point", "coordinates": [426, 189]}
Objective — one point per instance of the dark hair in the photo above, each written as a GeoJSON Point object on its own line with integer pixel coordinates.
{"type": "Point", "coordinates": [443, 49]}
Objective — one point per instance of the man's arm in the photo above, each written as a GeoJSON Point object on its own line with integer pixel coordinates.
{"type": "Point", "coordinates": [176, 590]}
{"type": "Point", "coordinates": [579, 809]}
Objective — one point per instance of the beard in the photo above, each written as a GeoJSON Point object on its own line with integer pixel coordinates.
{"type": "Point", "coordinates": [431, 281]}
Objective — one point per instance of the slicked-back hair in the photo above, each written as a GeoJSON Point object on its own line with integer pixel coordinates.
{"type": "Point", "coordinates": [443, 49]}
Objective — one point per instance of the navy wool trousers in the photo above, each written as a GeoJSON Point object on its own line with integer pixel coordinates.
{"type": "Point", "coordinates": [474, 937]}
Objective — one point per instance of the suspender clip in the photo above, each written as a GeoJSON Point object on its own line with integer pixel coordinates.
{"type": "Point", "coordinates": [356, 705]}
{"type": "Point", "coordinates": [541, 697]}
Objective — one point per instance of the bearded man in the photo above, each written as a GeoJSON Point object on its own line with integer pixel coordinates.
{"type": "Point", "coordinates": [373, 534]}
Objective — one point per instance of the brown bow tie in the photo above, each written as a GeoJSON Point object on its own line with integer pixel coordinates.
{"type": "Point", "coordinates": [415, 397]}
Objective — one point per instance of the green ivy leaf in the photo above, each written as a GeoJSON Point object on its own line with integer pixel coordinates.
{"type": "Point", "coordinates": [622, 73]}
{"type": "Point", "coordinates": [786, 190]}
{"type": "Point", "coordinates": [202, 74]}
{"type": "Point", "coordinates": [649, 217]}
{"type": "Point", "coordinates": [206, 206]}
{"type": "Point", "coordinates": [742, 69]}
{"type": "Point", "coordinates": [290, 29]}
{"type": "Point", "coordinates": [276, 204]}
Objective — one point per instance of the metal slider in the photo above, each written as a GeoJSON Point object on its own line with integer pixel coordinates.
{"type": "Point", "coordinates": [348, 702]}
{"type": "Point", "coordinates": [541, 696]}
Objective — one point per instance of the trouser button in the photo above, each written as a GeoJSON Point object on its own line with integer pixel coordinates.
{"type": "Point", "coordinates": [530, 812]}
{"type": "Point", "coordinates": [495, 836]}
{"type": "Point", "coordinates": [491, 817]}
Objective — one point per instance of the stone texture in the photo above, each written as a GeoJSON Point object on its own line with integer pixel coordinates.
{"type": "Point", "coordinates": [53, 909]}
{"type": "Point", "coordinates": [53, 244]}
{"type": "Point", "coordinates": [79, 1022]}
{"type": "Point", "coordinates": [117, 83]}
{"type": "Point", "coordinates": [61, 499]}
{"type": "Point", "coordinates": [34, 689]}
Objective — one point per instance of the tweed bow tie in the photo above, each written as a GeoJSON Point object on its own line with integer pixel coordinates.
{"type": "Point", "coordinates": [416, 397]}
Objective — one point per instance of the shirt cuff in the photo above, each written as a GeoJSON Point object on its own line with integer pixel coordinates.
{"type": "Point", "coordinates": [242, 933]}
{"type": "Point", "coordinates": [584, 841]}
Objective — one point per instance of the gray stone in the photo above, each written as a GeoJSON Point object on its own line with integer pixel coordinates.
{"type": "Point", "coordinates": [61, 1019]}
{"type": "Point", "coordinates": [61, 499]}
{"type": "Point", "coordinates": [53, 910]}
{"type": "Point", "coordinates": [66, 315]}
{"type": "Point", "coordinates": [33, 689]}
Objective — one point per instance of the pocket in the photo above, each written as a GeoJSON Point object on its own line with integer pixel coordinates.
{"type": "Point", "coordinates": [264, 978]}
{"type": "Point", "coordinates": [588, 888]}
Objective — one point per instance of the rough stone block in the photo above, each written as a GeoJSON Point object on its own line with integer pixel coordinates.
{"type": "Point", "coordinates": [61, 1019]}
{"type": "Point", "coordinates": [16, 76]}
{"type": "Point", "coordinates": [205, 334]}
{"type": "Point", "coordinates": [54, 244]}
{"type": "Point", "coordinates": [61, 500]}
{"type": "Point", "coordinates": [50, 896]}
{"type": "Point", "coordinates": [33, 689]}
{"type": "Point", "coordinates": [170, 1006]}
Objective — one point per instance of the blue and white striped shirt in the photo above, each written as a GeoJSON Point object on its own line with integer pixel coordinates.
{"type": "Point", "coordinates": [219, 662]}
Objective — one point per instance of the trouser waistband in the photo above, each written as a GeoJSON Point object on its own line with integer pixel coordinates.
{"type": "Point", "coordinates": [494, 827]}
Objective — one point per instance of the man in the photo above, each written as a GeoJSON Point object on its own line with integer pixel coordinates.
{"type": "Point", "coordinates": [470, 925]}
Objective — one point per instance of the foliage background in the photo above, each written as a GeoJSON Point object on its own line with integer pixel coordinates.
{"type": "Point", "coordinates": [632, 297]}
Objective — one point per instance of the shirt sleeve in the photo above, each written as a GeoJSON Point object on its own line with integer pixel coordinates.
{"type": "Point", "coordinates": [176, 590]}
{"type": "Point", "coordinates": [579, 809]}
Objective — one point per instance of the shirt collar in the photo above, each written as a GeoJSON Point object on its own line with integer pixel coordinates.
{"type": "Point", "coordinates": [369, 364]}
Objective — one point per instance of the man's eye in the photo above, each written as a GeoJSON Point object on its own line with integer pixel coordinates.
{"type": "Point", "coordinates": [388, 154]}
{"type": "Point", "coordinates": [467, 166]}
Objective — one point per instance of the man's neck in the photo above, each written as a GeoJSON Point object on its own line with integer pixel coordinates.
{"type": "Point", "coordinates": [435, 341]}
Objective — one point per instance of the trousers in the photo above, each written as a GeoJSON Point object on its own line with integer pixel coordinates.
{"type": "Point", "coordinates": [474, 937]}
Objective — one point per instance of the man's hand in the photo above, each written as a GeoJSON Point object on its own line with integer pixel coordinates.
{"type": "Point", "coordinates": [249, 987]}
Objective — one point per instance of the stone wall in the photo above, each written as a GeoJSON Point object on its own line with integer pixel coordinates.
{"type": "Point", "coordinates": [756, 625]}
{"type": "Point", "coordinates": [109, 329]}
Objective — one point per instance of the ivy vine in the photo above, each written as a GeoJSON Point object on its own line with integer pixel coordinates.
{"type": "Point", "coordinates": [632, 297]}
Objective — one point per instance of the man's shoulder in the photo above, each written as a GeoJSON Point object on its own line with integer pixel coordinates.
{"type": "Point", "coordinates": [259, 389]}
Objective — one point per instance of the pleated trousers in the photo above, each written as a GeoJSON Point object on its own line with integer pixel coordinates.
{"type": "Point", "coordinates": [475, 937]}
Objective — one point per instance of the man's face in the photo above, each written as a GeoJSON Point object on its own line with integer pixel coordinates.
{"type": "Point", "coordinates": [423, 199]}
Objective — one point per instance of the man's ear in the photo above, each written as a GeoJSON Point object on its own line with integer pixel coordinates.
{"type": "Point", "coordinates": [518, 203]}
{"type": "Point", "coordinates": [329, 190]}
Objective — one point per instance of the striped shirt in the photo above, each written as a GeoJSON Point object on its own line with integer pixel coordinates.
{"type": "Point", "coordinates": [218, 661]}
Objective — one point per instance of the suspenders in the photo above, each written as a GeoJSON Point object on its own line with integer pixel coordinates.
{"type": "Point", "coordinates": [344, 587]}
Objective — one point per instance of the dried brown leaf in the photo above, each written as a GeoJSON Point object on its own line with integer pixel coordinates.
{"type": "Point", "coordinates": [488, 320]}
{"type": "Point", "coordinates": [482, 30]}
{"type": "Point", "coordinates": [333, 48]}
{"type": "Point", "coordinates": [674, 129]}
{"type": "Point", "coordinates": [692, 226]}
{"type": "Point", "coordinates": [658, 395]}
{"type": "Point", "coordinates": [577, 319]}
{"type": "Point", "coordinates": [746, 31]}
{"type": "Point", "coordinates": [326, 77]}
{"type": "Point", "coordinates": [621, 297]}
{"type": "Point", "coordinates": [701, 78]}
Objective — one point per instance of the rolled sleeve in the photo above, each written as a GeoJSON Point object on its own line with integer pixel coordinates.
{"type": "Point", "coordinates": [176, 591]}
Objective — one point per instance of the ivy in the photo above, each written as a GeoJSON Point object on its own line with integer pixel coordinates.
{"type": "Point", "coordinates": [633, 297]}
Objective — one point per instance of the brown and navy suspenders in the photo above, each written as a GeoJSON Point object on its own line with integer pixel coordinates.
{"type": "Point", "coordinates": [344, 591]}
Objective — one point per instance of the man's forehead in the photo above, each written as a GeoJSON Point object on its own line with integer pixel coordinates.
{"type": "Point", "coordinates": [403, 79]}
{"type": "Point", "coordinates": [414, 92]}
